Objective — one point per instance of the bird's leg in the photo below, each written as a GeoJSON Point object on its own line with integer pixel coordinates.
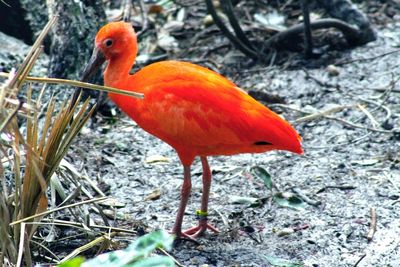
{"type": "Point", "coordinates": [202, 214]}
{"type": "Point", "coordinates": [185, 194]}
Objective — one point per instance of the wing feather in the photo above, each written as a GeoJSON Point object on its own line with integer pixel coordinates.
{"type": "Point", "coordinates": [193, 108]}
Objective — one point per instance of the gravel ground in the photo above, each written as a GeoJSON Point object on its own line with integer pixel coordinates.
{"type": "Point", "coordinates": [348, 169]}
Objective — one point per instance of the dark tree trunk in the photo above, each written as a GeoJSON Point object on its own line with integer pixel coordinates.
{"type": "Point", "coordinates": [71, 41]}
{"type": "Point", "coordinates": [73, 36]}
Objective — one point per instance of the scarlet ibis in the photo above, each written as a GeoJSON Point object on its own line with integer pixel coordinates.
{"type": "Point", "coordinates": [195, 110]}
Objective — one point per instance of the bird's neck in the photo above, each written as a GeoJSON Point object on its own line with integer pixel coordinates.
{"type": "Point", "coordinates": [117, 70]}
{"type": "Point", "coordinates": [117, 75]}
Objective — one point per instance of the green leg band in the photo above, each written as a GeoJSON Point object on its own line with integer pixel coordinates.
{"type": "Point", "coordinates": [201, 214]}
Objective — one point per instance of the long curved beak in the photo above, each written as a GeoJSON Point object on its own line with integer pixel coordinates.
{"type": "Point", "coordinates": [95, 62]}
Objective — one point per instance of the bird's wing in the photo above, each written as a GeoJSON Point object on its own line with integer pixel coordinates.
{"type": "Point", "coordinates": [191, 107]}
{"type": "Point", "coordinates": [206, 114]}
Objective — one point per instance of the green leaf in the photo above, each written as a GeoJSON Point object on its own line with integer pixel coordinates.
{"type": "Point", "coordinates": [137, 251]}
{"type": "Point", "coordinates": [281, 262]}
{"type": "Point", "coordinates": [148, 243]}
{"type": "Point", "coordinates": [156, 261]}
{"type": "Point", "coordinates": [75, 262]}
{"type": "Point", "coordinates": [263, 175]}
{"type": "Point", "coordinates": [289, 201]}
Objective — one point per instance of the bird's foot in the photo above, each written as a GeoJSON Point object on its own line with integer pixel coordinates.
{"type": "Point", "coordinates": [192, 233]}
{"type": "Point", "coordinates": [198, 230]}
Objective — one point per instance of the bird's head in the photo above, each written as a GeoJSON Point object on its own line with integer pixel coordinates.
{"type": "Point", "coordinates": [114, 40]}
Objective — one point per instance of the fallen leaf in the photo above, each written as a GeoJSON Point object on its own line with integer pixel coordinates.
{"type": "Point", "coordinates": [365, 162]}
{"type": "Point", "coordinates": [289, 200]}
{"type": "Point", "coordinates": [180, 16]}
{"type": "Point", "coordinates": [274, 261]}
{"type": "Point", "coordinates": [284, 232]}
{"type": "Point", "coordinates": [263, 175]}
{"type": "Point", "coordinates": [153, 195]}
{"type": "Point", "coordinates": [109, 213]}
{"type": "Point", "coordinates": [112, 202]}
{"type": "Point", "coordinates": [166, 41]}
{"type": "Point", "coordinates": [173, 26]}
{"type": "Point", "coordinates": [272, 20]}
{"type": "Point", "coordinates": [156, 159]}
{"type": "Point", "coordinates": [243, 200]}
{"type": "Point", "coordinates": [155, 9]}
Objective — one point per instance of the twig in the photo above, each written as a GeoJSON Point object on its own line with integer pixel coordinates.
{"type": "Point", "coordinates": [340, 63]}
{"type": "Point", "coordinates": [347, 123]}
{"type": "Point", "coordinates": [341, 187]}
{"type": "Point", "coordinates": [350, 33]}
{"type": "Point", "coordinates": [224, 220]}
{"type": "Point", "coordinates": [359, 260]}
{"type": "Point", "coordinates": [350, 124]}
{"type": "Point", "coordinates": [104, 238]}
{"type": "Point", "coordinates": [55, 259]}
{"type": "Point", "coordinates": [372, 227]}
{"type": "Point", "coordinates": [320, 114]}
{"type": "Point", "coordinates": [252, 237]}
{"type": "Point", "coordinates": [5, 3]}
{"type": "Point", "coordinates": [308, 42]}
{"type": "Point", "coordinates": [228, 8]}
{"type": "Point", "coordinates": [379, 105]}
{"type": "Point", "coordinates": [386, 94]}
{"type": "Point", "coordinates": [236, 42]}
{"type": "Point", "coordinates": [391, 181]}
{"type": "Point", "coordinates": [80, 84]}
{"type": "Point", "coordinates": [289, 107]}
{"type": "Point", "coordinates": [145, 20]}
{"type": "Point", "coordinates": [65, 164]}
{"type": "Point", "coordinates": [10, 116]}
{"type": "Point", "coordinates": [76, 224]}
{"type": "Point", "coordinates": [387, 88]}
{"type": "Point", "coordinates": [375, 124]}
{"type": "Point", "coordinates": [126, 10]}
{"type": "Point", "coordinates": [341, 144]}
{"type": "Point", "coordinates": [29, 66]}
{"type": "Point", "coordinates": [189, 3]}
{"type": "Point", "coordinates": [21, 244]}
{"type": "Point", "coordinates": [383, 90]}
{"type": "Point", "coordinates": [93, 185]}
{"type": "Point", "coordinates": [306, 199]}
{"type": "Point", "coordinates": [57, 209]}
{"type": "Point", "coordinates": [170, 256]}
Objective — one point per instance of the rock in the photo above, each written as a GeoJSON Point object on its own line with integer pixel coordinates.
{"type": "Point", "coordinates": [332, 70]}
{"type": "Point", "coordinates": [12, 53]}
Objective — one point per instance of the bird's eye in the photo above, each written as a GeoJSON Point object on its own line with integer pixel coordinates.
{"type": "Point", "coordinates": [108, 42]}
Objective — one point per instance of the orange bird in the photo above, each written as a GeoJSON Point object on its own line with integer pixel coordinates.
{"type": "Point", "coordinates": [195, 110]}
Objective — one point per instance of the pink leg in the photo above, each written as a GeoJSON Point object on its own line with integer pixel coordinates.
{"type": "Point", "coordinates": [185, 194]}
{"type": "Point", "coordinates": [203, 225]}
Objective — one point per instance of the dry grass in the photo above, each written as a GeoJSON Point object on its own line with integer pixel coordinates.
{"type": "Point", "coordinates": [29, 158]}
{"type": "Point", "coordinates": [32, 155]}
